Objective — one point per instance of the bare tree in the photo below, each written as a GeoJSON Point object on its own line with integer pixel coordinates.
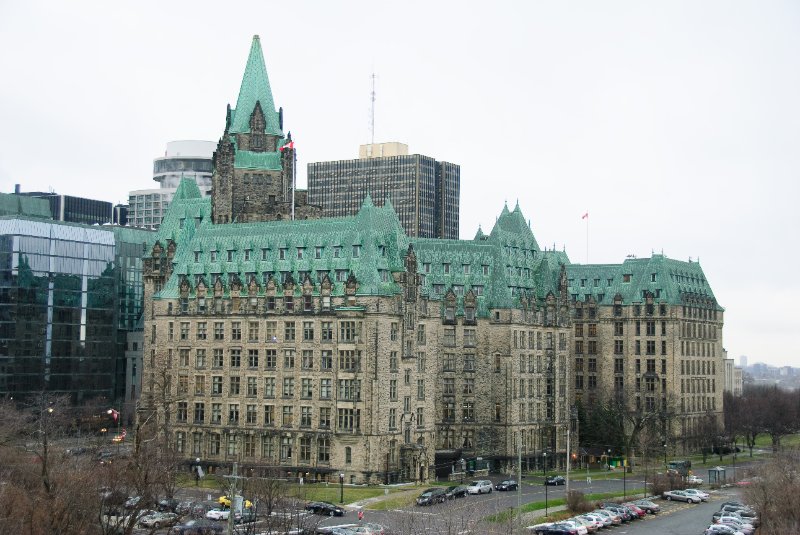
{"type": "Point", "coordinates": [776, 495]}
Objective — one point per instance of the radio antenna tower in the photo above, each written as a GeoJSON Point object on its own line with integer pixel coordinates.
{"type": "Point", "coordinates": [372, 116]}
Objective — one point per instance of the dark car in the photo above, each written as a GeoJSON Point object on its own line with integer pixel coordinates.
{"type": "Point", "coordinates": [456, 491]}
{"type": "Point", "coordinates": [168, 505]}
{"type": "Point", "coordinates": [199, 526]}
{"type": "Point", "coordinates": [556, 528]}
{"type": "Point", "coordinates": [507, 484]}
{"type": "Point", "coordinates": [185, 507]}
{"type": "Point", "coordinates": [626, 514]}
{"type": "Point", "coordinates": [324, 508]}
{"type": "Point", "coordinates": [555, 480]}
{"type": "Point", "coordinates": [432, 496]}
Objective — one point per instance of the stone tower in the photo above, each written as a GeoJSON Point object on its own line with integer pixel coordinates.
{"type": "Point", "coordinates": [254, 161]}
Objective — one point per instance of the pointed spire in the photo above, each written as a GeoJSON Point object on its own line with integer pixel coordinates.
{"type": "Point", "coordinates": [367, 201]}
{"type": "Point", "coordinates": [255, 88]}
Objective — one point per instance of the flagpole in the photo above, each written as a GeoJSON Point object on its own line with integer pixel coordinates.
{"type": "Point", "coordinates": [587, 236]}
{"type": "Point", "coordinates": [294, 177]}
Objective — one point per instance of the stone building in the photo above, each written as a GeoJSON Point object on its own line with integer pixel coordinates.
{"type": "Point", "coordinates": [319, 347]}
{"type": "Point", "coordinates": [648, 332]}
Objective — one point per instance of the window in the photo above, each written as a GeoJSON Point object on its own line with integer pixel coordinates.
{"type": "Point", "coordinates": [308, 331]}
{"type": "Point", "coordinates": [216, 385]}
{"type": "Point", "coordinates": [349, 389]}
{"type": "Point", "coordinates": [252, 386]}
{"type": "Point", "coordinates": [326, 359]}
{"type": "Point", "coordinates": [287, 416]}
{"type": "Point", "coordinates": [325, 388]}
{"type": "Point", "coordinates": [305, 416]}
{"type": "Point", "coordinates": [618, 347]}
{"type": "Point", "coordinates": [326, 329]}
{"type": "Point", "coordinates": [347, 331]}
{"type": "Point", "coordinates": [236, 358]}
{"type": "Point", "coordinates": [420, 388]}
{"type": "Point", "coordinates": [201, 330]}
{"type": "Point", "coordinates": [469, 362]}
{"type": "Point", "coordinates": [269, 414]}
{"type": "Point", "coordinates": [200, 358]}
{"type": "Point", "coordinates": [619, 366]}
{"type": "Point", "coordinates": [235, 386]}
{"type": "Point", "coordinates": [469, 338]}
{"type": "Point", "coordinates": [651, 347]}
{"type": "Point", "coordinates": [450, 336]}
{"type": "Point", "coordinates": [325, 417]}
{"type": "Point", "coordinates": [250, 414]}
{"type": "Point", "coordinates": [618, 328]}
{"type": "Point", "coordinates": [288, 331]}
{"type": "Point", "coordinates": [468, 411]}
{"type": "Point", "coordinates": [270, 358]}
{"type": "Point", "coordinates": [393, 361]}
{"type": "Point", "coordinates": [236, 330]}
{"type": "Point", "coordinates": [288, 359]}
{"type": "Point", "coordinates": [182, 411]}
{"type": "Point", "coordinates": [288, 387]}
{"type": "Point", "coordinates": [592, 365]}
{"type": "Point", "coordinates": [348, 419]}
{"type": "Point", "coordinates": [393, 389]}
{"type": "Point", "coordinates": [592, 329]}
{"type": "Point", "coordinates": [219, 330]}
{"type": "Point", "coordinates": [184, 330]}
{"type": "Point", "coordinates": [216, 413]}
{"type": "Point", "coordinates": [349, 360]}
{"type": "Point", "coordinates": [469, 385]}
{"type": "Point", "coordinates": [199, 385]}
{"type": "Point", "coordinates": [199, 412]}
{"type": "Point", "coordinates": [252, 358]}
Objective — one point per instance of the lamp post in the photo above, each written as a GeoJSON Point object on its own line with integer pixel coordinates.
{"type": "Point", "coordinates": [341, 487]}
{"type": "Point", "coordinates": [665, 455]}
{"type": "Point", "coordinates": [545, 497]}
{"type": "Point", "coordinates": [197, 472]}
{"type": "Point", "coordinates": [624, 482]}
{"type": "Point", "coordinates": [544, 463]}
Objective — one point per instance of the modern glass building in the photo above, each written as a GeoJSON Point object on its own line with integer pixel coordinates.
{"type": "Point", "coordinates": [68, 296]}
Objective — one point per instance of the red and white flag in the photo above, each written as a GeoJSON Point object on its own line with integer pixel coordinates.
{"type": "Point", "coordinates": [114, 414]}
{"type": "Point", "coordinates": [289, 145]}
{"type": "Point", "coordinates": [585, 216]}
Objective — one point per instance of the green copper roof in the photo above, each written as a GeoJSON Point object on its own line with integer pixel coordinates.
{"type": "Point", "coordinates": [670, 281]}
{"type": "Point", "coordinates": [512, 229]}
{"type": "Point", "coordinates": [257, 160]}
{"type": "Point", "coordinates": [255, 88]}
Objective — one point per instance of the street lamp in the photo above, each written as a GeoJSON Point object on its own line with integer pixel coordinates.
{"type": "Point", "coordinates": [665, 455]}
{"type": "Point", "coordinates": [197, 472]}
{"type": "Point", "coordinates": [545, 497]}
{"type": "Point", "coordinates": [544, 462]}
{"type": "Point", "coordinates": [341, 487]}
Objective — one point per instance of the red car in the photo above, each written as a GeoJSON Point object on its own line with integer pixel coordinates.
{"type": "Point", "coordinates": [641, 513]}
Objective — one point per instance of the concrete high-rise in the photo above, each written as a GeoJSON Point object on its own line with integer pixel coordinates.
{"type": "Point", "coordinates": [182, 159]}
{"type": "Point", "coordinates": [423, 192]}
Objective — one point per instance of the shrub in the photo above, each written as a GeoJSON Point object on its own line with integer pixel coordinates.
{"type": "Point", "coordinates": [577, 503]}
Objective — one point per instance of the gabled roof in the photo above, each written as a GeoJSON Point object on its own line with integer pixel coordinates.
{"type": "Point", "coordinates": [255, 88]}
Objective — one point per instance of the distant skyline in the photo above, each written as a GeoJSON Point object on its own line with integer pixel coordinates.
{"type": "Point", "coordinates": [675, 125]}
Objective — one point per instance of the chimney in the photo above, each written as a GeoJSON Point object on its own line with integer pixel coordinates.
{"type": "Point", "coordinates": [16, 189]}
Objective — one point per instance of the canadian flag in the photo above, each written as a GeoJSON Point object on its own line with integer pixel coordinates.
{"type": "Point", "coordinates": [289, 145]}
{"type": "Point", "coordinates": [114, 414]}
{"type": "Point", "coordinates": [585, 216]}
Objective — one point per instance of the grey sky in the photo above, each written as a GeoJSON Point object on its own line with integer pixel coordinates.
{"type": "Point", "coordinates": [677, 125]}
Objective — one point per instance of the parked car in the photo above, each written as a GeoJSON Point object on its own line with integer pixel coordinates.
{"type": "Point", "coordinates": [507, 484]}
{"type": "Point", "coordinates": [218, 514]}
{"type": "Point", "coordinates": [158, 520]}
{"type": "Point", "coordinates": [368, 529]}
{"type": "Point", "coordinates": [593, 524]}
{"type": "Point", "coordinates": [184, 507]}
{"type": "Point", "coordinates": [721, 529]}
{"type": "Point", "coordinates": [480, 486]}
{"type": "Point", "coordinates": [737, 524]}
{"type": "Point", "coordinates": [626, 514]}
{"type": "Point", "coordinates": [432, 496]}
{"type": "Point", "coordinates": [603, 520]}
{"type": "Point", "coordinates": [699, 493]}
{"type": "Point", "coordinates": [579, 528]}
{"type": "Point", "coordinates": [635, 509]}
{"type": "Point", "coordinates": [168, 505]}
{"type": "Point", "coordinates": [616, 520]}
{"type": "Point", "coordinates": [197, 526]}
{"type": "Point", "coordinates": [456, 491]}
{"type": "Point", "coordinates": [558, 528]}
{"type": "Point", "coordinates": [555, 480]}
{"type": "Point", "coordinates": [199, 509]}
{"type": "Point", "coordinates": [224, 501]}
{"type": "Point", "coordinates": [694, 480]}
{"type": "Point", "coordinates": [648, 505]}
{"type": "Point", "coordinates": [324, 508]}
{"type": "Point", "coordinates": [680, 496]}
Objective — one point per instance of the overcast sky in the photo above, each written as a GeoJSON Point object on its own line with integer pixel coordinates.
{"type": "Point", "coordinates": [676, 125]}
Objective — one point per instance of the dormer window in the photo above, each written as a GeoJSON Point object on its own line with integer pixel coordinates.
{"type": "Point", "coordinates": [626, 277]}
{"type": "Point", "coordinates": [318, 252]}
{"type": "Point", "coordinates": [446, 268]}
{"type": "Point", "coordinates": [337, 251]}
{"type": "Point", "coordinates": [300, 253]}
{"type": "Point", "coordinates": [426, 267]}
{"type": "Point", "coordinates": [264, 253]}
{"type": "Point", "coordinates": [382, 250]}
{"type": "Point", "coordinates": [197, 256]}
{"type": "Point", "coordinates": [247, 255]}
{"type": "Point", "coordinates": [356, 251]}
{"type": "Point", "coordinates": [256, 141]}
{"type": "Point", "coordinates": [485, 270]}
{"type": "Point", "coordinates": [282, 253]}
{"type": "Point", "coordinates": [465, 268]}
{"type": "Point", "coordinates": [230, 255]}
{"type": "Point", "coordinates": [213, 256]}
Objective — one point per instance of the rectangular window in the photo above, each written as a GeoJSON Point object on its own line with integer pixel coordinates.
{"type": "Point", "coordinates": [420, 388]}
{"type": "Point", "coordinates": [288, 331]}
{"type": "Point", "coordinates": [200, 358]}
{"type": "Point", "coordinates": [236, 358]}
{"type": "Point", "coordinates": [216, 385]}
{"type": "Point", "coordinates": [269, 387]}
{"type": "Point", "coordinates": [269, 414]}
{"type": "Point", "coordinates": [252, 358]}
{"type": "Point", "coordinates": [288, 359]}
{"type": "Point", "coordinates": [325, 417]}
{"type": "Point", "coordinates": [326, 329]}
{"type": "Point", "coordinates": [252, 386]}
{"type": "Point", "coordinates": [469, 362]}
{"type": "Point", "coordinates": [202, 330]}
{"type": "Point", "coordinates": [236, 330]}
{"type": "Point", "coordinates": [235, 386]}
{"type": "Point", "coordinates": [288, 387]}
{"type": "Point", "coordinates": [219, 359]}
{"type": "Point", "coordinates": [469, 338]}
{"type": "Point", "coordinates": [287, 416]}
{"type": "Point", "coordinates": [308, 331]}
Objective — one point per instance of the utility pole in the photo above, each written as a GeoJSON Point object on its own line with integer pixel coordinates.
{"type": "Point", "coordinates": [232, 492]}
{"type": "Point", "coordinates": [569, 457]}
{"type": "Point", "coordinates": [519, 476]}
